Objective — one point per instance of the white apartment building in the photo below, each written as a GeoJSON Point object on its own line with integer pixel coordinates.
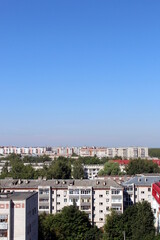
{"type": "Point", "coordinates": [19, 216]}
{"type": "Point", "coordinates": [91, 171]}
{"type": "Point", "coordinates": [22, 150]}
{"type": "Point", "coordinates": [125, 153]}
{"type": "Point", "coordinates": [139, 188]}
{"type": "Point", "coordinates": [95, 197]}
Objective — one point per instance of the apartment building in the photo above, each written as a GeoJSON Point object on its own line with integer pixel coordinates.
{"type": "Point", "coordinates": [139, 188]}
{"type": "Point", "coordinates": [95, 197]}
{"type": "Point", "coordinates": [91, 171]}
{"type": "Point", "coordinates": [22, 150]}
{"type": "Point", "coordinates": [125, 153]}
{"type": "Point", "coordinates": [19, 216]}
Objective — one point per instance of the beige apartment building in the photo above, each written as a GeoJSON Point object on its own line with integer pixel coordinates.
{"type": "Point", "coordinates": [19, 216]}
{"type": "Point", "coordinates": [95, 197]}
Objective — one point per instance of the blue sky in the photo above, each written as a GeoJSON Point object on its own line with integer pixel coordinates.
{"type": "Point", "coordinates": [81, 72]}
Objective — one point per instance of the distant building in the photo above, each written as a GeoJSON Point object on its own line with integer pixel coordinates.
{"type": "Point", "coordinates": [100, 152]}
{"type": "Point", "coordinates": [125, 153]}
{"type": "Point", "coordinates": [91, 171]}
{"type": "Point", "coordinates": [19, 216]}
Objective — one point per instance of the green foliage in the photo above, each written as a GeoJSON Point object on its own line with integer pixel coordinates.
{"type": "Point", "coordinates": [77, 170]}
{"type": "Point", "coordinates": [70, 224]}
{"type": "Point", "coordinates": [141, 166]}
{"type": "Point", "coordinates": [154, 152]}
{"type": "Point", "coordinates": [36, 159]}
{"type": "Point", "coordinates": [59, 169]}
{"type": "Point", "coordinates": [113, 227]}
{"type": "Point", "coordinates": [110, 168]}
{"type": "Point", "coordinates": [137, 221]}
{"type": "Point", "coordinates": [45, 229]}
{"type": "Point", "coordinates": [156, 237]}
{"type": "Point", "coordinates": [92, 160]}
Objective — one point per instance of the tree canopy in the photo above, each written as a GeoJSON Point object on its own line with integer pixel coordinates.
{"type": "Point", "coordinates": [69, 224]}
{"type": "Point", "coordinates": [110, 168]}
{"type": "Point", "coordinates": [137, 222]}
{"type": "Point", "coordinates": [137, 166]}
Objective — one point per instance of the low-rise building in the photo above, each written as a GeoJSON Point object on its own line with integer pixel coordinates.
{"type": "Point", "coordinates": [91, 171]}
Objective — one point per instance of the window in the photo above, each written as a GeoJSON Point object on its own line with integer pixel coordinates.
{"type": "Point", "coordinates": [85, 207]}
{"type": "Point", "coordinates": [100, 219]}
{"type": "Point", "coordinates": [107, 192]}
{"type": "Point", "coordinates": [75, 191]}
{"type": "Point", "coordinates": [58, 203]}
{"type": "Point", "coordinates": [101, 203]}
{"type": "Point", "coordinates": [100, 211]}
{"type": "Point", "coordinates": [149, 189]}
{"type": "Point", "coordinates": [58, 195]}
{"type": "Point", "coordinates": [85, 191]}
{"type": "Point", "coordinates": [107, 200]}
{"type": "Point", "coordinates": [65, 199]}
{"type": "Point", "coordinates": [52, 207]}
{"type": "Point", "coordinates": [43, 207]}
{"type": "Point", "coordinates": [115, 192]}
{"type": "Point", "coordinates": [142, 192]}
{"type": "Point", "coordinates": [43, 191]}
{"type": "Point", "coordinates": [100, 196]}
{"type": "Point", "coordinates": [107, 208]}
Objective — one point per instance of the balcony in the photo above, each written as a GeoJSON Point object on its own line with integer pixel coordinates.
{"type": "Point", "coordinates": [3, 225]}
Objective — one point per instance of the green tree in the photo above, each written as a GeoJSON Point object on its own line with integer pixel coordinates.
{"type": "Point", "coordinates": [77, 170]}
{"type": "Point", "coordinates": [110, 168]}
{"type": "Point", "coordinates": [59, 169]}
{"type": "Point", "coordinates": [141, 166]}
{"type": "Point", "coordinates": [45, 227]}
{"type": "Point", "coordinates": [137, 221]}
{"type": "Point", "coordinates": [69, 224]}
{"type": "Point", "coordinates": [154, 152]}
{"type": "Point", "coordinates": [113, 227]}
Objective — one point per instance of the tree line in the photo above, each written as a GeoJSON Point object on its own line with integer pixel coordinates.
{"type": "Point", "coordinates": [66, 168]}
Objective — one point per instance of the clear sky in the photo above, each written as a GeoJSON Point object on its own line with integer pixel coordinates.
{"type": "Point", "coordinates": [80, 72]}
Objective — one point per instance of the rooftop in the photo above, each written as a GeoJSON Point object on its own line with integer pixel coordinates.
{"type": "Point", "coordinates": [142, 180]}
{"type": "Point", "coordinates": [16, 196]}
{"type": "Point", "coordinates": [58, 183]}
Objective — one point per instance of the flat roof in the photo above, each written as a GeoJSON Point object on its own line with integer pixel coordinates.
{"type": "Point", "coordinates": [16, 196]}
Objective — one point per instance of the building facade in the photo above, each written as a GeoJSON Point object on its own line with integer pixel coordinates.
{"type": "Point", "coordinates": [100, 152]}
{"type": "Point", "coordinates": [19, 216]}
{"type": "Point", "coordinates": [95, 197]}
{"type": "Point", "coordinates": [139, 188]}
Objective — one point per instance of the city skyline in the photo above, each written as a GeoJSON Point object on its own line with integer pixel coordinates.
{"type": "Point", "coordinates": [77, 73]}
